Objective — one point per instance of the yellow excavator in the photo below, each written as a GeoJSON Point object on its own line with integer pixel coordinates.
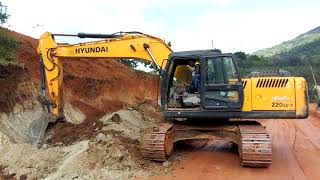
{"type": "Point", "coordinates": [202, 94]}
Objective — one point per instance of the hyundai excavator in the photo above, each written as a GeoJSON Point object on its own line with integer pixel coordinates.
{"type": "Point", "coordinates": [222, 107]}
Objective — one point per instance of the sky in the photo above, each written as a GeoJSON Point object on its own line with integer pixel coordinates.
{"type": "Point", "coordinates": [229, 25]}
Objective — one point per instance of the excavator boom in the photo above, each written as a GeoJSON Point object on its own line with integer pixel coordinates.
{"type": "Point", "coordinates": [124, 45]}
{"type": "Point", "coordinates": [130, 45]}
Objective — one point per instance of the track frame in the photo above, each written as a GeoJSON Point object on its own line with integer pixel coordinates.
{"type": "Point", "coordinates": [254, 143]}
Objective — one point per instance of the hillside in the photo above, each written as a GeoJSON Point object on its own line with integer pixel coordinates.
{"type": "Point", "coordinates": [303, 44]}
{"type": "Point", "coordinates": [296, 56]}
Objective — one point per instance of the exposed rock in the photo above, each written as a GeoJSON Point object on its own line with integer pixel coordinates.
{"type": "Point", "coordinates": [166, 164]}
{"type": "Point", "coordinates": [73, 114]}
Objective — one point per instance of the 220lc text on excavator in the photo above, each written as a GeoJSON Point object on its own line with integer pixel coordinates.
{"type": "Point", "coordinates": [202, 94]}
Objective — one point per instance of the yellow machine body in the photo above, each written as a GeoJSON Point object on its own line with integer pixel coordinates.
{"type": "Point", "coordinates": [276, 94]}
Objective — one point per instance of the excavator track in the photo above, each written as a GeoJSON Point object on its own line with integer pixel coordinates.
{"type": "Point", "coordinates": [157, 142]}
{"type": "Point", "coordinates": [255, 146]}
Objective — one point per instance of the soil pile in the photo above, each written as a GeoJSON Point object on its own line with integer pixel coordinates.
{"type": "Point", "coordinates": [111, 154]}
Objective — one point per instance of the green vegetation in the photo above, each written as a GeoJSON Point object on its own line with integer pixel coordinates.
{"type": "Point", "coordinates": [8, 44]}
{"type": "Point", "coordinates": [133, 63]}
{"type": "Point", "coordinates": [288, 46]}
{"type": "Point", "coordinates": [8, 47]}
{"type": "Point", "coordinates": [295, 56]}
{"type": "Point", "coordinates": [3, 13]}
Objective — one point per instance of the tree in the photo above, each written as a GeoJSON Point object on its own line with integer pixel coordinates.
{"type": "Point", "coordinates": [240, 55]}
{"type": "Point", "coordinates": [129, 62]}
{"type": "Point", "coordinates": [133, 63]}
{"type": "Point", "coordinates": [3, 14]}
{"type": "Point", "coordinates": [254, 58]}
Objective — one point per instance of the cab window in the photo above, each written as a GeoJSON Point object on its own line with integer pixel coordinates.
{"type": "Point", "coordinates": [220, 70]}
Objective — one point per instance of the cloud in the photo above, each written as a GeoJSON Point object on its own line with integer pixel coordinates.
{"type": "Point", "coordinates": [244, 31]}
{"type": "Point", "coordinates": [191, 24]}
{"type": "Point", "coordinates": [78, 16]}
{"type": "Point", "coordinates": [223, 2]}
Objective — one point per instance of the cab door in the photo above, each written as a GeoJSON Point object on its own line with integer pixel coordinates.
{"type": "Point", "coordinates": [221, 86]}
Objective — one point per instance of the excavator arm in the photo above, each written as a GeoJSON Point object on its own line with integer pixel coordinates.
{"type": "Point", "coordinates": [125, 45]}
{"type": "Point", "coordinates": [134, 45]}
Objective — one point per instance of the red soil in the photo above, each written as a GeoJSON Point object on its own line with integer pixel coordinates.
{"type": "Point", "coordinates": [13, 83]}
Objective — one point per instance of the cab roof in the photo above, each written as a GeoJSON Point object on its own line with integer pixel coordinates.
{"type": "Point", "coordinates": [196, 54]}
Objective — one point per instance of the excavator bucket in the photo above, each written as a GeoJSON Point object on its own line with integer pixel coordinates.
{"type": "Point", "coordinates": [38, 128]}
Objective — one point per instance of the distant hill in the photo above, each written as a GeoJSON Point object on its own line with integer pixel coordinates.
{"type": "Point", "coordinates": [304, 44]}
{"type": "Point", "coordinates": [296, 56]}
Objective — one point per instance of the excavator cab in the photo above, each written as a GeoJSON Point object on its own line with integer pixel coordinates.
{"type": "Point", "coordinates": [220, 86]}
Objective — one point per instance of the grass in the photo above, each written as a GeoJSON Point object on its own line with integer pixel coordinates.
{"type": "Point", "coordinates": [8, 46]}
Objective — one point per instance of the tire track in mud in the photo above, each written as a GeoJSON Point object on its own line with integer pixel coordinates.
{"type": "Point", "coordinates": [311, 133]}
{"type": "Point", "coordinates": [284, 161]}
{"type": "Point", "coordinates": [287, 138]}
{"type": "Point", "coordinates": [306, 148]}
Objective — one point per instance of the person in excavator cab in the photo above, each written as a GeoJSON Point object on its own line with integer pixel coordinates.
{"type": "Point", "coordinates": [195, 83]}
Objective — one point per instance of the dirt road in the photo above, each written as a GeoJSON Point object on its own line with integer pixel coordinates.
{"type": "Point", "coordinates": [296, 155]}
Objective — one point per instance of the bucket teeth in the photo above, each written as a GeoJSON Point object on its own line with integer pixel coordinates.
{"type": "Point", "coordinates": [38, 128]}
